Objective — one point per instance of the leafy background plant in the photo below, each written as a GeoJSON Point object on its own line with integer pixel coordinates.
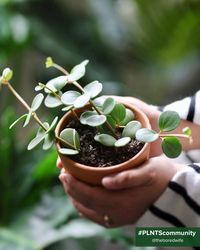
{"type": "Point", "coordinates": [131, 44]}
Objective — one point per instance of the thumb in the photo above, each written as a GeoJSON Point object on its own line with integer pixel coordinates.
{"type": "Point", "coordinates": [143, 175]}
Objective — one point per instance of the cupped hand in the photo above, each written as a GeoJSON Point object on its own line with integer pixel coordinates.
{"type": "Point", "coordinates": [124, 197]}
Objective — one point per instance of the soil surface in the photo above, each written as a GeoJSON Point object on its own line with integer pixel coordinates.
{"type": "Point", "coordinates": [95, 154]}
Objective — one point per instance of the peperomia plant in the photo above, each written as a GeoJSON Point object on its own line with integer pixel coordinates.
{"type": "Point", "coordinates": [114, 123]}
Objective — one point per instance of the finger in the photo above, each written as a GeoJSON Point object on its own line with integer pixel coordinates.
{"type": "Point", "coordinates": [130, 178]}
{"type": "Point", "coordinates": [59, 163]}
{"type": "Point", "coordinates": [91, 197]}
{"type": "Point", "coordinates": [89, 213]}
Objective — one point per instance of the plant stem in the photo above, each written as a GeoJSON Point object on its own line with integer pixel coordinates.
{"type": "Point", "coordinates": [52, 92]}
{"type": "Point", "coordinates": [24, 103]}
{"type": "Point", "coordinates": [174, 135]}
{"type": "Point", "coordinates": [75, 83]}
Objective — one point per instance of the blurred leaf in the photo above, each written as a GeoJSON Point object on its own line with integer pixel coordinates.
{"type": "Point", "coordinates": [77, 72]}
{"type": "Point", "coordinates": [122, 142]}
{"type": "Point", "coordinates": [85, 115]}
{"type": "Point", "coordinates": [71, 136]}
{"type": "Point", "coordinates": [168, 121]}
{"type": "Point", "coordinates": [118, 113]}
{"type": "Point", "coordinates": [108, 105]}
{"type": "Point", "coordinates": [95, 120]}
{"type": "Point", "coordinates": [35, 141]}
{"type": "Point", "coordinates": [19, 119]}
{"type": "Point", "coordinates": [106, 140]}
{"type": "Point", "coordinates": [131, 128]}
{"type": "Point", "coordinates": [51, 101]}
{"type": "Point", "coordinates": [128, 117]}
{"type": "Point", "coordinates": [69, 97]}
{"type": "Point", "coordinates": [171, 147]}
{"type": "Point", "coordinates": [28, 118]}
{"type": "Point", "coordinates": [56, 84]}
{"type": "Point", "coordinates": [82, 100]}
{"type": "Point", "coordinates": [37, 101]}
{"type": "Point", "coordinates": [146, 135]}
{"type": "Point", "coordinates": [68, 151]}
{"type": "Point", "coordinates": [93, 88]}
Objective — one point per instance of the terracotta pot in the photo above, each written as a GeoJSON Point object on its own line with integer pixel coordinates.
{"type": "Point", "coordinates": [94, 175]}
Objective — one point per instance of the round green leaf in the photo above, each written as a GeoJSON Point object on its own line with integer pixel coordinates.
{"type": "Point", "coordinates": [37, 101]}
{"type": "Point", "coordinates": [108, 105]}
{"type": "Point", "coordinates": [35, 141]}
{"type": "Point", "coordinates": [68, 151]}
{"type": "Point", "coordinates": [85, 115]}
{"type": "Point", "coordinates": [128, 117]}
{"type": "Point", "coordinates": [49, 62]}
{"type": "Point", "coordinates": [51, 101]}
{"type": "Point", "coordinates": [56, 84]}
{"type": "Point", "coordinates": [146, 135]}
{"type": "Point", "coordinates": [118, 113]}
{"type": "Point", "coordinates": [122, 142]}
{"type": "Point", "coordinates": [171, 147]}
{"type": "Point", "coordinates": [71, 136]}
{"type": "Point", "coordinates": [82, 100]}
{"type": "Point", "coordinates": [131, 128]}
{"type": "Point", "coordinates": [105, 139]}
{"type": "Point", "coordinates": [93, 88]}
{"type": "Point", "coordinates": [168, 121]}
{"type": "Point", "coordinates": [69, 97]}
{"type": "Point", "coordinates": [96, 120]}
{"type": "Point", "coordinates": [77, 72]}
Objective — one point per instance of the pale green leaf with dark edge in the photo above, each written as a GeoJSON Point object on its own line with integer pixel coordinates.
{"type": "Point", "coordinates": [51, 101]}
{"type": "Point", "coordinates": [122, 142]}
{"type": "Point", "coordinates": [68, 108]}
{"type": "Point", "coordinates": [19, 119]}
{"type": "Point", "coordinates": [168, 121]}
{"type": "Point", "coordinates": [69, 97]}
{"type": "Point", "coordinates": [118, 113]}
{"type": "Point", "coordinates": [56, 84]}
{"type": "Point", "coordinates": [48, 142]}
{"type": "Point", "coordinates": [146, 135]}
{"type": "Point", "coordinates": [128, 117]}
{"type": "Point", "coordinates": [108, 105]}
{"type": "Point", "coordinates": [82, 100]}
{"type": "Point", "coordinates": [93, 88]}
{"type": "Point", "coordinates": [131, 128]}
{"type": "Point", "coordinates": [78, 71]}
{"type": "Point", "coordinates": [35, 141]}
{"type": "Point", "coordinates": [68, 151]}
{"type": "Point", "coordinates": [85, 115]}
{"type": "Point", "coordinates": [37, 101]}
{"type": "Point", "coordinates": [71, 136]}
{"type": "Point", "coordinates": [28, 118]}
{"type": "Point", "coordinates": [105, 139]}
{"type": "Point", "coordinates": [96, 120]}
{"type": "Point", "coordinates": [171, 147]}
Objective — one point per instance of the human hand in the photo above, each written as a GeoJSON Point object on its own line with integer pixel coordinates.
{"type": "Point", "coordinates": [125, 196]}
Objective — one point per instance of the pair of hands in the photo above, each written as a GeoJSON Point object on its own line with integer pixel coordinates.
{"type": "Point", "coordinates": [125, 196]}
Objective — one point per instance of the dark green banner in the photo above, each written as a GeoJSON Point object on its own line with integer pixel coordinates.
{"type": "Point", "coordinates": [167, 236]}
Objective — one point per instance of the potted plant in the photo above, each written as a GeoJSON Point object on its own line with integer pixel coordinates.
{"type": "Point", "coordinates": [97, 136]}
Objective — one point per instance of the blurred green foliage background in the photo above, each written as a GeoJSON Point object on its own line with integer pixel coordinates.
{"type": "Point", "coordinates": [147, 49]}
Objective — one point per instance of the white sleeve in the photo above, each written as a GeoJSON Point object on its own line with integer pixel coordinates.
{"type": "Point", "coordinates": [179, 205]}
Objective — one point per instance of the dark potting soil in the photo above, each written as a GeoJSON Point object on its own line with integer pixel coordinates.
{"type": "Point", "coordinates": [95, 154]}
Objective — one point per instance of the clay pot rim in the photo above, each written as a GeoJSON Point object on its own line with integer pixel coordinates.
{"type": "Point", "coordinates": [96, 169]}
